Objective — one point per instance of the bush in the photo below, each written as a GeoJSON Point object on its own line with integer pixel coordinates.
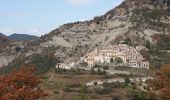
{"type": "Point", "coordinates": [105, 67]}
{"type": "Point", "coordinates": [95, 83]}
{"type": "Point", "coordinates": [18, 49]}
{"type": "Point", "coordinates": [67, 89]}
{"type": "Point", "coordinates": [83, 89]}
{"type": "Point", "coordinates": [127, 80]}
{"type": "Point", "coordinates": [138, 95]}
{"type": "Point", "coordinates": [147, 44]}
{"type": "Point", "coordinates": [99, 72]}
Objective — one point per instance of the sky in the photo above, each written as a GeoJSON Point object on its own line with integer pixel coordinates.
{"type": "Point", "coordinates": [38, 17]}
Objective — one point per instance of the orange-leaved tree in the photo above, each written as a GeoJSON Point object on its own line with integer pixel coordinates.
{"type": "Point", "coordinates": [161, 82]}
{"type": "Point", "coordinates": [20, 84]}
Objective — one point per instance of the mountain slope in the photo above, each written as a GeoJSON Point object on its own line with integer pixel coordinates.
{"type": "Point", "coordinates": [134, 22]}
{"type": "Point", "coordinates": [3, 41]}
{"type": "Point", "coordinates": [25, 37]}
{"type": "Point", "coordinates": [1, 34]}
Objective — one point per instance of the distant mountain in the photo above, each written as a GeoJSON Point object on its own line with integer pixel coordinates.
{"type": "Point", "coordinates": [1, 34]}
{"type": "Point", "coordinates": [25, 37]}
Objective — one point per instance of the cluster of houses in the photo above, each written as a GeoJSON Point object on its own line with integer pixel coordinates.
{"type": "Point", "coordinates": [130, 56]}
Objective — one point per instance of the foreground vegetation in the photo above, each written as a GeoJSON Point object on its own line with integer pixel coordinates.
{"type": "Point", "coordinates": [61, 84]}
{"type": "Point", "coordinates": [20, 85]}
{"type": "Point", "coordinates": [71, 85]}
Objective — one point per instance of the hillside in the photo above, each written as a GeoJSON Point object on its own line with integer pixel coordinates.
{"type": "Point", "coordinates": [1, 34]}
{"type": "Point", "coordinates": [3, 41]}
{"type": "Point", "coordinates": [134, 22]}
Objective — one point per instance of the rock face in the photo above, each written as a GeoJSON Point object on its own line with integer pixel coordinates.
{"type": "Point", "coordinates": [134, 20]}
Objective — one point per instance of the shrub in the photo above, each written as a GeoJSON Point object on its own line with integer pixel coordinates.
{"type": "Point", "coordinates": [127, 80]}
{"type": "Point", "coordinates": [147, 44]}
{"type": "Point", "coordinates": [83, 89]}
{"type": "Point", "coordinates": [105, 67]}
{"type": "Point", "coordinates": [18, 49]}
{"type": "Point", "coordinates": [99, 72]}
{"type": "Point", "coordinates": [95, 83]}
{"type": "Point", "coordinates": [67, 89]}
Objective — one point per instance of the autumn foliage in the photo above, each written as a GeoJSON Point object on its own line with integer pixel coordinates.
{"type": "Point", "coordinates": [20, 85]}
{"type": "Point", "coordinates": [161, 82]}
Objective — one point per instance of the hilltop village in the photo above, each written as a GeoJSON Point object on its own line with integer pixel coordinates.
{"type": "Point", "coordinates": [121, 54]}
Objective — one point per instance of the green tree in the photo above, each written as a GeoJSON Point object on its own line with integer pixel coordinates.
{"type": "Point", "coordinates": [148, 44]}
{"type": "Point", "coordinates": [118, 60]}
{"type": "Point", "coordinates": [18, 49]}
{"type": "Point", "coordinates": [95, 83]}
{"type": "Point", "coordinates": [127, 41]}
{"type": "Point", "coordinates": [127, 81]}
{"type": "Point", "coordinates": [111, 60]}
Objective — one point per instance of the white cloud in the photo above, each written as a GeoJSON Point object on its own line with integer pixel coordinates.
{"type": "Point", "coordinates": [79, 2]}
{"type": "Point", "coordinates": [82, 19]}
{"type": "Point", "coordinates": [9, 31]}
{"type": "Point", "coordinates": [36, 32]}
{"type": "Point", "coordinates": [6, 31]}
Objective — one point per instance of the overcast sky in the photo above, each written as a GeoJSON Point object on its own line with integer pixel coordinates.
{"type": "Point", "coordinates": [38, 17]}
